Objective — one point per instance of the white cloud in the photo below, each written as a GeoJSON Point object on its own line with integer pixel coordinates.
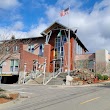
{"type": "Point", "coordinates": [65, 3]}
{"type": "Point", "coordinates": [9, 4]}
{"type": "Point", "coordinates": [52, 13]}
{"type": "Point", "coordinates": [16, 29]}
{"type": "Point", "coordinates": [18, 25]}
{"type": "Point", "coordinates": [93, 27]}
{"type": "Point", "coordinates": [36, 30]}
{"type": "Point", "coordinates": [6, 33]}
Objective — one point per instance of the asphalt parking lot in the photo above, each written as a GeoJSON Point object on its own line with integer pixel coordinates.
{"type": "Point", "coordinates": [37, 97]}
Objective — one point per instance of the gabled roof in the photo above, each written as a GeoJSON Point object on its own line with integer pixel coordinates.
{"type": "Point", "coordinates": [56, 24]}
{"type": "Point", "coordinates": [53, 25]}
{"type": "Point", "coordinates": [1, 41]}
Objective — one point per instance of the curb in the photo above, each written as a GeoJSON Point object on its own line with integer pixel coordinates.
{"type": "Point", "coordinates": [86, 85]}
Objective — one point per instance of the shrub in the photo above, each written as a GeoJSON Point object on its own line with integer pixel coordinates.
{"type": "Point", "coordinates": [99, 76]}
{"type": "Point", "coordinates": [105, 77]}
{"type": "Point", "coordinates": [1, 89]}
{"type": "Point", "coordinates": [5, 97]}
{"type": "Point", "coordinates": [102, 78]}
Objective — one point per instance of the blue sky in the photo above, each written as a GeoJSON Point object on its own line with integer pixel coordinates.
{"type": "Point", "coordinates": [27, 18]}
{"type": "Point", "coordinates": [30, 12]}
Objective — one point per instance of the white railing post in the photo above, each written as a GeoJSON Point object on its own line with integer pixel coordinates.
{"type": "Point", "coordinates": [37, 66]}
{"type": "Point", "coordinates": [53, 68]}
{"type": "Point", "coordinates": [44, 72]}
{"type": "Point", "coordinates": [61, 64]}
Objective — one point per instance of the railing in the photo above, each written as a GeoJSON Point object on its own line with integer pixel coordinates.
{"type": "Point", "coordinates": [33, 75]}
{"type": "Point", "coordinates": [48, 77]}
{"type": "Point", "coordinates": [57, 72]}
{"type": "Point", "coordinates": [52, 75]}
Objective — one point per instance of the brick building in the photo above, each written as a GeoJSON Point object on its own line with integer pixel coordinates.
{"type": "Point", "coordinates": [56, 47]}
{"type": "Point", "coordinates": [52, 45]}
{"type": "Point", "coordinates": [15, 53]}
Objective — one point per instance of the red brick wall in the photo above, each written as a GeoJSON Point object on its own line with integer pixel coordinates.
{"type": "Point", "coordinates": [85, 57]}
{"type": "Point", "coordinates": [47, 53]}
{"type": "Point", "coordinates": [72, 53]}
{"type": "Point", "coordinates": [66, 56]}
{"type": "Point", "coordinates": [27, 57]}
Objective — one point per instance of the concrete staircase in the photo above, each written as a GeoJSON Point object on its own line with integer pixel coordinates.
{"type": "Point", "coordinates": [59, 80]}
{"type": "Point", "coordinates": [38, 80]}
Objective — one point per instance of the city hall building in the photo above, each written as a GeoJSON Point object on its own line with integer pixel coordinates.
{"type": "Point", "coordinates": [53, 47]}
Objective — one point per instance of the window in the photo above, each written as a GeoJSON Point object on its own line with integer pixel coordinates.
{"type": "Point", "coordinates": [90, 64]}
{"type": "Point", "coordinates": [77, 48]}
{"type": "Point", "coordinates": [64, 39]}
{"type": "Point", "coordinates": [15, 48]}
{"type": "Point", "coordinates": [41, 49]}
{"type": "Point", "coordinates": [7, 49]}
{"type": "Point", "coordinates": [0, 69]}
{"type": "Point", "coordinates": [31, 48]}
{"type": "Point", "coordinates": [81, 50]}
{"type": "Point", "coordinates": [14, 65]}
{"type": "Point", "coordinates": [59, 46]}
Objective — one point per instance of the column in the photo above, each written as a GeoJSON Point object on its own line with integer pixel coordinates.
{"type": "Point", "coordinates": [47, 53]}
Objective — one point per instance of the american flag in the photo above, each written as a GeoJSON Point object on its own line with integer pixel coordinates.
{"type": "Point", "coordinates": [64, 12]}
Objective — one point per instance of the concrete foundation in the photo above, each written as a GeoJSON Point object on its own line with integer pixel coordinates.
{"type": "Point", "coordinates": [68, 80]}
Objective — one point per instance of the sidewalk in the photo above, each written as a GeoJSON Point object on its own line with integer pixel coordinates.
{"type": "Point", "coordinates": [105, 83]}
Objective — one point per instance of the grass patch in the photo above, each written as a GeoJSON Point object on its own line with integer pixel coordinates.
{"type": "Point", "coordinates": [1, 90]}
{"type": "Point", "coordinates": [5, 97]}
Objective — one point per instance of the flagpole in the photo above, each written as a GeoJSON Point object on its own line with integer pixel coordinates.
{"type": "Point", "coordinates": [68, 51]}
{"type": "Point", "coordinates": [63, 13]}
{"type": "Point", "coordinates": [68, 45]}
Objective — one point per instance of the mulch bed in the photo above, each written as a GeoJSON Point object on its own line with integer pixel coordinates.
{"type": "Point", "coordinates": [13, 96]}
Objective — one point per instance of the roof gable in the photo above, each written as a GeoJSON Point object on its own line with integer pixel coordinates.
{"type": "Point", "coordinates": [57, 25]}
{"type": "Point", "coordinates": [53, 26]}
